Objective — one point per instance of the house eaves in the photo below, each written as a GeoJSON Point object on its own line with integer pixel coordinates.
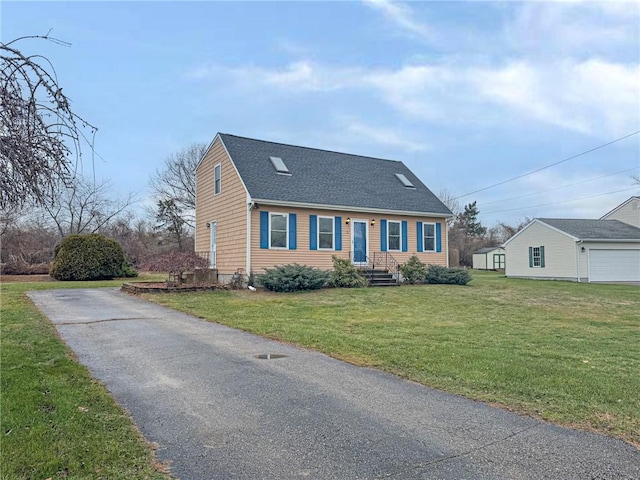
{"type": "Point", "coordinates": [277, 203]}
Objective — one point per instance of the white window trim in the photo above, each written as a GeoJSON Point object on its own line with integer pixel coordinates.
{"type": "Point", "coordinates": [389, 222]}
{"type": "Point", "coordinates": [333, 233]}
{"type": "Point", "coordinates": [533, 257]}
{"type": "Point", "coordinates": [424, 232]}
{"type": "Point", "coordinates": [286, 231]}
{"type": "Point", "coordinates": [216, 167]}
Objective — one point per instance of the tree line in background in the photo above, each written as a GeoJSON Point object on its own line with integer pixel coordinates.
{"type": "Point", "coordinates": [467, 234]}
{"type": "Point", "coordinates": [43, 197]}
{"type": "Point", "coordinates": [30, 231]}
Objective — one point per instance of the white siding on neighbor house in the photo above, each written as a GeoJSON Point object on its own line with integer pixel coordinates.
{"type": "Point", "coordinates": [589, 246]}
{"type": "Point", "coordinates": [559, 254]}
{"type": "Point", "coordinates": [627, 213]}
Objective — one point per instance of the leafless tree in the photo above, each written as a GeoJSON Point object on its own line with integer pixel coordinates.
{"type": "Point", "coordinates": [85, 207]}
{"type": "Point", "coordinates": [176, 181]}
{"type": "Point", "coordinates": [452, 203]}
{"type": "Point", "coordinates": [40, 135]}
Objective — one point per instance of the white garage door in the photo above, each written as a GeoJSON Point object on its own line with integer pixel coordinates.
{"type": "Point", "coordinates": [614, 265]}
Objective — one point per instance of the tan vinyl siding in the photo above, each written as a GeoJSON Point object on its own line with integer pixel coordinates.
{"type": "Point", "coordinates": [559, 254]}
{"type": "Point", "coordinates": [629, 213]}
{"type": "Point", "coordinates": [228, 209]}
{"type": "Point", "coordinates": [268, 258]}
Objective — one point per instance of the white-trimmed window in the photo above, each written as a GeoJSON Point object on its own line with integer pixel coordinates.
{"type": "Point", "coordinates": [394, 236]}
{"type": "Point", "coordinates": [278, 235]}
{"type": "Point", "coordinates": [537, 257]}
{"type": "Point", "coordinates": [429, 237]}
{"type": "Point", "coordinates": [326, 233]}
{"type": "Point", "coordinates": [217, 174]}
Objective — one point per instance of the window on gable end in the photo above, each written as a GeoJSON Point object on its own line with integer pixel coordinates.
{"type": "Point", "coordinates": [217, 174]}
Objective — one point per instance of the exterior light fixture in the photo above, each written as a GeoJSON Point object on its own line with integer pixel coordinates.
{"type": "Point", "coordinates": [348, 220]}
{"type": "Point", "coordinates": [373, 222]}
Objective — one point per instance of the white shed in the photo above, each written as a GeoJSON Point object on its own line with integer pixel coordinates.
{"type": "Point", "coordinates": [583, 250]}
{"type": "Point", "coordinates": [490, 258]}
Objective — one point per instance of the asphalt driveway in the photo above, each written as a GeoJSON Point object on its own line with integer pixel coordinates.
{"type": "Point", "coordinates": [218, 412]}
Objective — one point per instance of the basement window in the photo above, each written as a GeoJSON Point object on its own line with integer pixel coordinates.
{"type": "Point", "coordinates": [404, 180]}
{"type": "Point", "coordinates": [279, 165]}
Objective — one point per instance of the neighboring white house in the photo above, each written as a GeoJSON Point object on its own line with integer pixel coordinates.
{"type": "Point", "coordinates": [627, 212]}
{"type": "Point", "coordinates": [490, 258]}
{"type": "Point", "coordinates": [583, 250]}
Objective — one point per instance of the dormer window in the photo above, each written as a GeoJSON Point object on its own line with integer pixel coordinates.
{"type": "Point", "coordinates": [280, 166]}
{"type": "Point", "coordinates": [404, 180]}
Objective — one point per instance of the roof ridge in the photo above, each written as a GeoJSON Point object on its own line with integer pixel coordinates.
{"type": "Point", "coordinates": [313, 148]}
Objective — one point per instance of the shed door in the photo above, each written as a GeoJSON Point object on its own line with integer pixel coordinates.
{"type": "Point", "coordinates": [614, 265]}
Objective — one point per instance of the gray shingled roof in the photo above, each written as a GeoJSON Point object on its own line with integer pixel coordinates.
{"type": "Point", "coordinates": [486, 250]}
{"type": "Point", "coordinates": [328, 178]}
{"type": "Point", "coordinates": [588, 229]}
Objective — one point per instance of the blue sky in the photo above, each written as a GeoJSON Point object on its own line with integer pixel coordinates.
{"type": "Point", "coordinates": [467, 94]}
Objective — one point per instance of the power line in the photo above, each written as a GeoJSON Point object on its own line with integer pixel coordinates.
{"type": "Point", "coordinates": [562, 201]}
{"type": "Point", "coordinates": [560, 187]}
{"type": "Point", "coordinates": [550, 165]}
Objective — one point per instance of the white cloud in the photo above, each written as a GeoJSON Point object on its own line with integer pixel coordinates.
{"type": "Point", "coordinates": [594, 96]}
{"type": "Point", "coordinates": [402, 15]}
{"type": "Point", "coordinates": [573, 27]}
{"type": "Point", "coordinates": [388, 137]}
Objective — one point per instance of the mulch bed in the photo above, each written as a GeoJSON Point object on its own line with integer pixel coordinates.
{"type": "Point", "coordinates": [162, 287]}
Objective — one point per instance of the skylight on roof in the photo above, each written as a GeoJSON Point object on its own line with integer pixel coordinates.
{"type": "Point", "coordinates": [279, 165]}
{"type": "Point", "coordinates": [405, 181]}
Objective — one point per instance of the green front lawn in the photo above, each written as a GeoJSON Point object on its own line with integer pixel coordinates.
{"type": "Point", "coordinates": [567, 352]}
{"type": "Point", "coordinates": [56, 421]}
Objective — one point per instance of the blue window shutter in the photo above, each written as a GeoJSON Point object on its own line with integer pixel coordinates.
{"type": "Point", "coordinates": [264, 229]}
{"type": "Point", "coordinates": [541, 257]}
{"type": "Point", "coordinates": [292, 231]}
{"type": "Point", "coordinates": [530, 256]}
{"type": "Point", "coordinates": [338, 232]}
{"type": "Point", "coordinates": [405, 243]}
{"type": "Point", "coordinates": [438, 239]}
{"type": "Point", "coordinates": [383, 235]}
{"type": "Point", "coordinates": [419, 230]}
{"type": "Point", "coordinates": [313, 232]}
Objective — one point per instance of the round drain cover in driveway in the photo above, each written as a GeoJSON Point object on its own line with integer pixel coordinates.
{"type": "Point", "coordinates": [270, 356]}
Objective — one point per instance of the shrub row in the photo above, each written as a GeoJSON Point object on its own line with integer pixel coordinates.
{"type": "Point", "coordinates": [414, 271]}
{"type": "Point", "coordinates": [294, 277]}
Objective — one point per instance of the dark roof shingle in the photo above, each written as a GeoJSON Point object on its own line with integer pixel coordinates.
{"type": "Point", "coordinates": [323, 177]}
{"type": "Point", "coordinates": [590, 229]}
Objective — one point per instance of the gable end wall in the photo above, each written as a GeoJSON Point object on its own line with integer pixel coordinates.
{"type": "Point", "coordinates": [228, 209]}
{"type": "Point", "coordinates": [629, 213]}
{"type": "Point", "coordinates": [560, 254]}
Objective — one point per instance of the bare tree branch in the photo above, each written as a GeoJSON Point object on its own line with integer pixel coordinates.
{"type": "Point", "coordinates": [85, 207]}
{"type": "Point", "coordinates": [176, 181]}
{"type": "Point", "coordinates": [40, 136]}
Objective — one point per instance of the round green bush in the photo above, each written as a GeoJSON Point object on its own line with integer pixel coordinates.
{"type": "Point", "coordinates": [89, 257]}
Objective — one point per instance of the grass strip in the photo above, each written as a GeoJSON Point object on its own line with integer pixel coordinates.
{"type": "Point", "coordinates": [56, 420]}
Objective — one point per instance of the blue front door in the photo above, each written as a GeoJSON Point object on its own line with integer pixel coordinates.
{"type": "Point", "coordinates": [359, 242]}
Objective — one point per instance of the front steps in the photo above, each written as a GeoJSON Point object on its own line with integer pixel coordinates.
{"type": "Point", "coordinates": [380, 278]}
